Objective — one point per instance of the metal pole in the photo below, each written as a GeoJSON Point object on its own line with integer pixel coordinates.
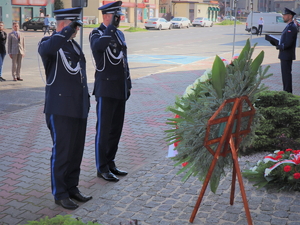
{"type": "Point", "coordinates": [135, 14]}
{"type": "Point", "coordinates": [235, 1]}
{"type": "Point", "coordinates": [81, 30]}
{"type": "Point", "coordinates": [251, 6]}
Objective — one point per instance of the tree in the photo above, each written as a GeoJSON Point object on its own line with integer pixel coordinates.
{"type": "Point", "coordinates": [58, 4]}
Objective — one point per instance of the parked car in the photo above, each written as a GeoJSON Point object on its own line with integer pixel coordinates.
{"type": "Point", "coordinates": [180, 22]}
{"type": "Point", "coordinates": [37, 23]}
{"type": "Point", "coordinates": [228, 18]}
{"type": "Point", "coordinates": [158, 23]}
{"type": "Point", "coordinates": [202, 21]}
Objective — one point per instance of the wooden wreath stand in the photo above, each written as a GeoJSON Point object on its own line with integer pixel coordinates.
{"type": "Point", "coordinates": [228, 143]}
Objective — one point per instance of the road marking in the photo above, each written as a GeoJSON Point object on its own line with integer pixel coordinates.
{"type": "Point", "coordinates": [164, 59]}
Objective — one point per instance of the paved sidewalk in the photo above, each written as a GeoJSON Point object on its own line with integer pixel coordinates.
{"type": "Point", "coordinates": [152, 192]}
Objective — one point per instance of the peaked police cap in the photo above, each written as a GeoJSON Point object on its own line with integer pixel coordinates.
{"type": "Point", "coordinates": [288, 11]}
{"type": "Point", "coordinates": [67, 14]}
{"type": "Point", "coordinates": [111, 8]}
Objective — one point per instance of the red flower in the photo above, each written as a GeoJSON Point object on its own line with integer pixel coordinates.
{"type": "Point", "coordinates": [280, 153]}
{"type": "Point", "coordinates": [287, 168]}
{"type": "Point", "coordinates": [297, 161]}
{"type": "Point", "coordinates": [184, 164]}
{"type": "Point", "coordinates": [289, 150]}
{"type": "Point", "coordinates": [296, 175]}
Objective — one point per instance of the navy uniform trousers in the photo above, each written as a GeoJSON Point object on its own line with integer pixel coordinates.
{"type": "Point", "coordinates": [68, 135]}
{"type": "Point", "coordinates": [286, 71]}
{"type": "Point", "coordinates": [110, 119]}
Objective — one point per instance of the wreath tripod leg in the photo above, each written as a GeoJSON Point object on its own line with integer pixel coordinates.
{"type": "Point", "coordinates": [233, 185]}
{"type": "Point", "coordinates": [240, 179]}
{"type": "Point", "coordinates": [203, 189]}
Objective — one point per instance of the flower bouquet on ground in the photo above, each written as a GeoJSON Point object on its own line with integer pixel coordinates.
{"type": "Point", "coordinates": [200, 101]}
{"type": "Point", "coordinates": [280, 170]}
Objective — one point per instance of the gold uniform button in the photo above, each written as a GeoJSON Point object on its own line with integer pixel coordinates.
{"type": "Point", "coordinates": [107, 78]}
{"type": "Point", "coordinates": [59, 94]}
{"type": "Point", "coordinates": [112, 31]}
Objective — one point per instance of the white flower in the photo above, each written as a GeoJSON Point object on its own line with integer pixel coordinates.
{"type": "Point", "coordinates": [253, 168]}
{"type": "Point", "coordinates": [204, 77]}
{"type": "Point", "coordinates": [189, 90]}
{"type": "Point", "coordinates": [267, 171]}
{"type": "Point", "coordinates": [276, 151]}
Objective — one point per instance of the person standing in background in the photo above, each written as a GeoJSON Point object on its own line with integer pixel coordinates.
{"type": "Point", "coordinates": [260, 26]}
{"type": "Point", "coordinates": [46, 25]}
{"type": "Point", "coordinates": [3, 37]}
{"type": "Point", "coordinates": [16, 50]}
{"type": "Point", "coordinates": [287, 49]}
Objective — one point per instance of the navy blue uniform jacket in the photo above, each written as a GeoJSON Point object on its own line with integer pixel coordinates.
{"type": "Point", "coordinates": [288, 41]}
{"type": "Point", "coordinates": [112, 77]}
{"type": "Point", "coordinates": [68, 94]}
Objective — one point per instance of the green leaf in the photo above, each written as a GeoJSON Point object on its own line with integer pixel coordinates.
{"type": "Point", "coordinates": [214, 183]}
{"type": "Point", "coordinates": [218, 76]}
{"type": "Point", "coordinates": [257, 62]}
{"type": "Point", "coordinates": [244, 53]}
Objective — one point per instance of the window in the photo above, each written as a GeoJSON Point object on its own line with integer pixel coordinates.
{"type": "Point", "coordinates": [279, 19]}
{"type": "Point", "coordinates": [162, 9]}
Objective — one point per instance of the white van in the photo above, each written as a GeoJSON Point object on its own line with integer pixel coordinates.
{"type": "Point", "coordinates": [273, 22]}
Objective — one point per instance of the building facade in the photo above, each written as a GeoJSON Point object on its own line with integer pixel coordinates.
{"type": "Point", "coordinates": [145, 9]}
{"type": "Point", "coordinates": [23, 10]}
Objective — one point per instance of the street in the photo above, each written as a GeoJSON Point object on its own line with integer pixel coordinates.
{"type": "Point", "coordinates": [148, 53]}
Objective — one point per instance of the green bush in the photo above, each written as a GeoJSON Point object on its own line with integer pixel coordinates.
{"type": "Point", "coordinates": [281, 124]}
{"type": "Point", "coordinates": [135, 29]}
{"type": "Point", "coordinates": [68, 220]}
{"type": "Point", "coordinates": [229, 22]}
{"type": "Point", "coordinates": [60, 220]}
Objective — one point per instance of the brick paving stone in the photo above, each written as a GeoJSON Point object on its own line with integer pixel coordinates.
{"type": "Point", "coordinates": [8, 220]}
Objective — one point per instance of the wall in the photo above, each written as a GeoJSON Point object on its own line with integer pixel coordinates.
{"type": "Point", "coordinates": [181, 10]}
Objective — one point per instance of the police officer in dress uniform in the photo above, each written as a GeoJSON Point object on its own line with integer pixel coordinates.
{"type": "Point", "coordinates": [67, 104]}
{"type": "Point", "coordinates": [286, 47]}
{"type": "Point", "coordinates": [111, 89]}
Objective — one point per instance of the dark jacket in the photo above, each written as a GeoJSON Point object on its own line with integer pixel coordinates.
{"type": "Point", "coordinates": [3, 38]}
{"type": "Point", "coordinates": [287, 43]}
{"type": "Point", "coordinates": [68, 94]}
{"type": "Point", "coordinates": [112, 76]}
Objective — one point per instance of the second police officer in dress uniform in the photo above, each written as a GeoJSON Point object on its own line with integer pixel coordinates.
{"type": "Point", "coordinates": [286, 47]}
{"type": "Point", "coordinates": [67, 105]}
{"type": "Point", "coordinates": [111, 89]}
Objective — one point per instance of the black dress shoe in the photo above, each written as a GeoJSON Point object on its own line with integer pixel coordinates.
{"type": "Point", "coordinates": [116, 171]}
{"type": "Point", "coordinates": [81, 197]}
{"type": "Point", "coordinates": [67, 203]}
{"type": "Point", "coordinates": [19, 79]}
{"type": "Point", "coordinates": [108, 176]}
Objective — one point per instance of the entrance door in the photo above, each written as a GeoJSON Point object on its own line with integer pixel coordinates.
{"type": "Point", "coordinates": [28, 12]}
{"type": "Point", "coordinates": [16, 15]}
{"type": "Point", "coordinates": [191, 12]}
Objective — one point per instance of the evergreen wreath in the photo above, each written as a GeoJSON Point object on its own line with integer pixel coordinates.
{"type": "Point", "coordinates": [199, 102]}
